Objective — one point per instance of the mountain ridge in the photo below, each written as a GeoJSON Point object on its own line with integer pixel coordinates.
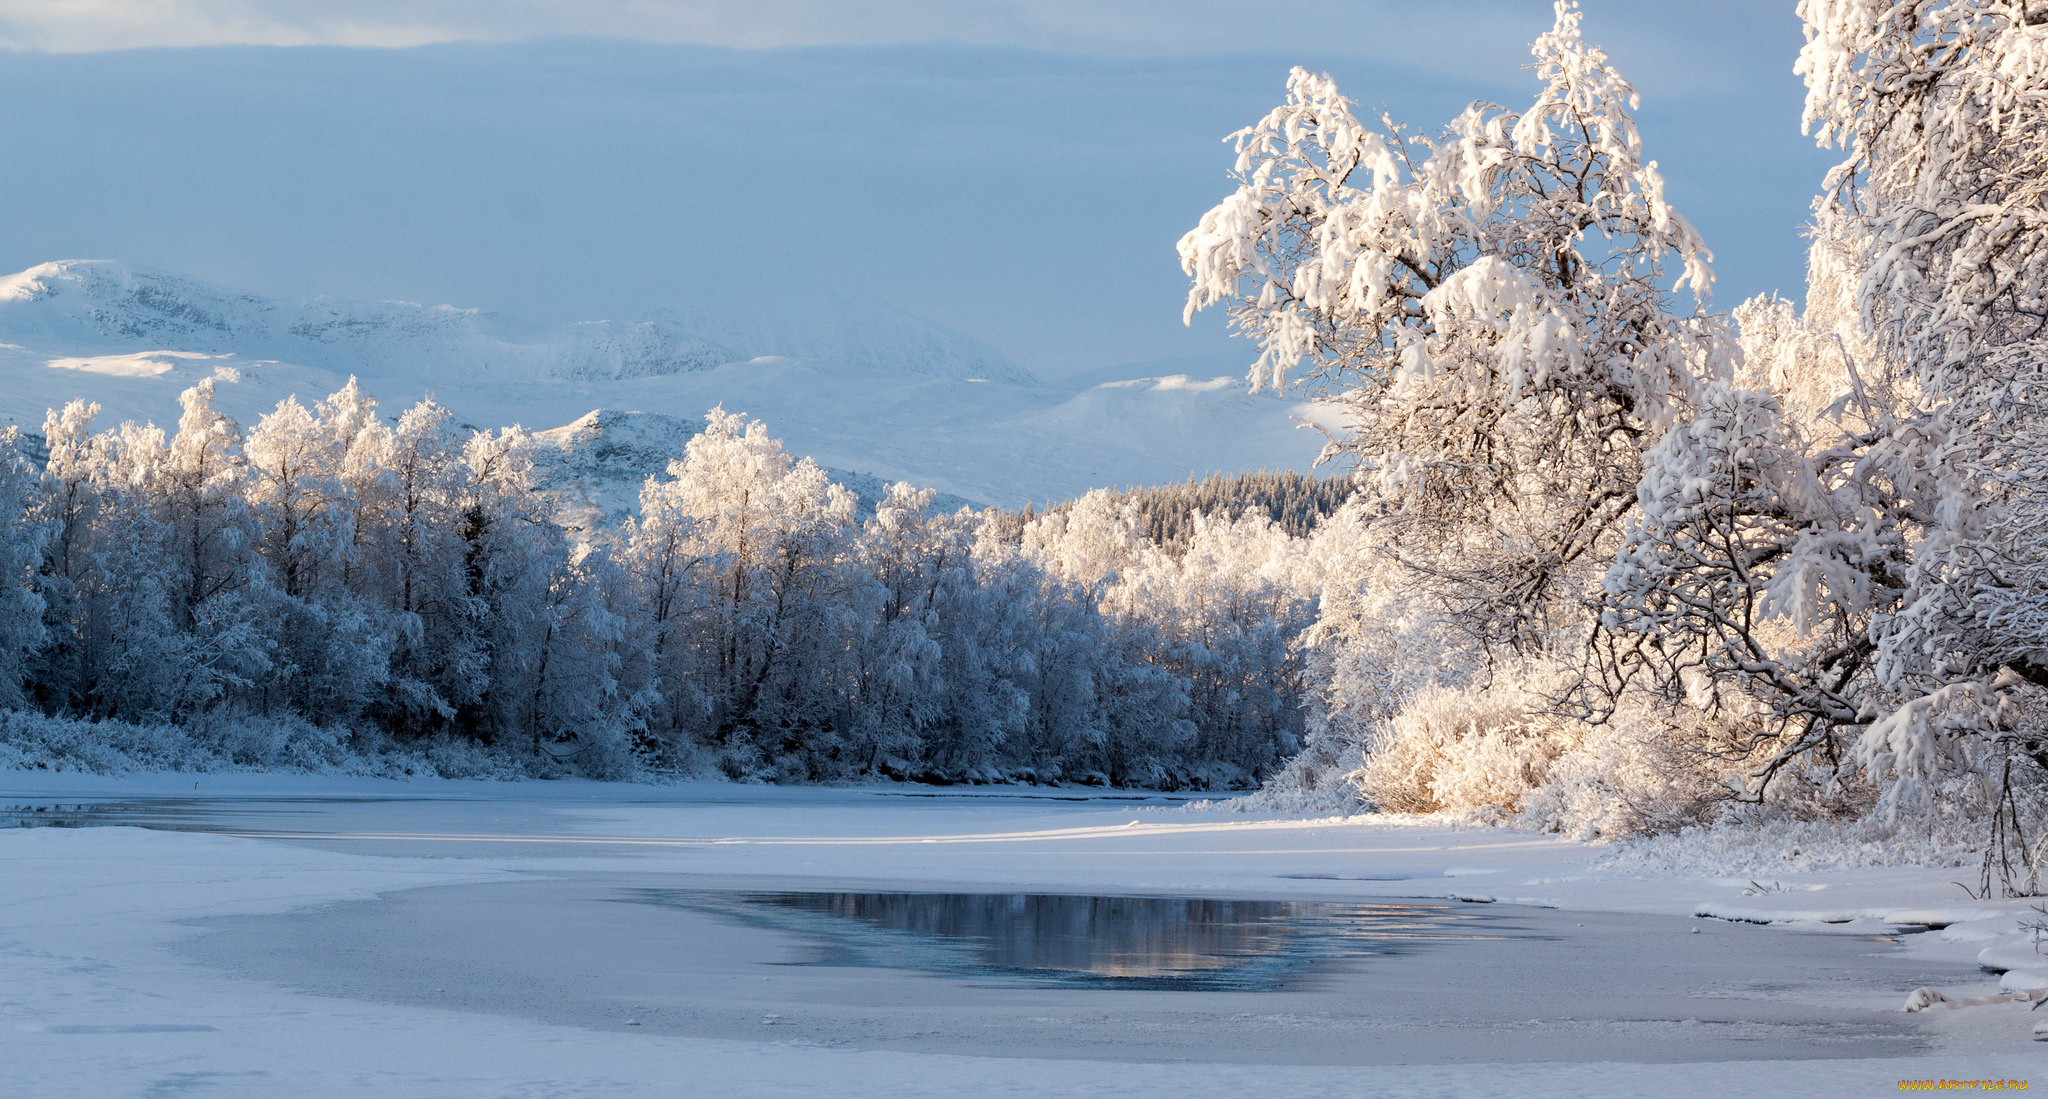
{"type": "Point", "coordinates": [89, 302]}
{"type": "Point", "coordinates": [853, 386]}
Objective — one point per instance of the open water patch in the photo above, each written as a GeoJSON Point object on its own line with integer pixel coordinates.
{"type": "Point", "coordinates": [241, 815]}
{"type": "Point", "coordinates": [1092, 941]}
{"type": "Point", "coordinates": [162, 814]}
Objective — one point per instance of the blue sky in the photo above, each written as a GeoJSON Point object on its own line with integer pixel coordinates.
{"type": "Point", "coordinates": [1018, 171]}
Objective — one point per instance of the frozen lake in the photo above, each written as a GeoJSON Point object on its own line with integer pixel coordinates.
{"type": "Point", "coordinates": [724, 925]}
{"type": "Point", "coordinates": [1174, 979]}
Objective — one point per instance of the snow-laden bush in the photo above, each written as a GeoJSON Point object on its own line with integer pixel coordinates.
{"type": "Point", "coordinates": [1504, 750]}
{"type": "Point", "coordinates": [31, 740]}
{"type": "Point", "coordinates": [271, 744]}
{"type": "Point", "coordinates": [1317, 781]}
{"type": "Point", "coordinates": [218, 742]}
{"type": "Point", "coordinates": [1821, 820]}
{"type": "Point", "coordinates": [606, 753]}
{"type": "Point", "coordinates": [461, 757]}
{"type": "Point", "coordinates": [213, 742]}
{"type": "Point", "coordinates": [1477, 751]}
{"type": "Point", "coordinates": [1638, 773]}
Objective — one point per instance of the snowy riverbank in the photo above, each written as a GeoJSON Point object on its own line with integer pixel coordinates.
{"type": "Point", "coordinates": [105, 995]}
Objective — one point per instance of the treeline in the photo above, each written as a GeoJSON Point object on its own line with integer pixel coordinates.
{"type": "Point", "coordinates": [1294, 502]}
{"type": "Point", "coordinates": [405, 581]}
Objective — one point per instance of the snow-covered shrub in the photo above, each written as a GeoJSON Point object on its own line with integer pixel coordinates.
{"type": "Point", "coordinates": [1640, 772]}
{"type": "Point", "coordinates": [218, 742]}
{"type": "Point", "coordinates": [463, 757]}
{"type": "Point", "coordinates": [31, 740]}
{"type": "Point", "coordinates": [1476, 750]}
{"type": "Point", "coordinates": [213, 742]}
{"type": "Point", "coordinates": [269, 743]}
{"type": "Point", "coordinates": [1503, 750]}
{"type": "Point", "coordinates": [1317, 781]}
{"type": "Point", "coordinates": [1817, 820]}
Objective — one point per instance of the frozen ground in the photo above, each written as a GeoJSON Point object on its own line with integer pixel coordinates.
{"type": "Point", "coordinates": [271, 935]}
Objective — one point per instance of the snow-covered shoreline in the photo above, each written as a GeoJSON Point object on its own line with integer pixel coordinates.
{"type": "Point", "coordinates": [98, 1002]}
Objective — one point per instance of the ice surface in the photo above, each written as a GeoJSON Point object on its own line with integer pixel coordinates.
{"type": "Point", "coordinates": [434, 938]}
{"type": "Point", "coordinates": [1433, 984]}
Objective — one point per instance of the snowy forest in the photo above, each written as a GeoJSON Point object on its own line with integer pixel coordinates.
{"type": "Point", "coordinates": [1600, 558]}
{"type": "Point", "coordinates": [359, 587]}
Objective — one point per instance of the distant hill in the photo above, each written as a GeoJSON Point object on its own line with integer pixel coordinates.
{"type": "Point", "coordinates": [858, 387]}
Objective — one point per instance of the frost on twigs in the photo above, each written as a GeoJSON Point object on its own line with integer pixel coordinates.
{"type": "Point", "coordinates": [1853, 551]}
{"type": "Point", "coordinates": [1941, 110]}
{"type": "Point", "coordinates": [1494, 306]}
{"type": "Point", "coordinates": [335, 590]}
{"type": "Point", "coordinates": [1512, 317]}
{"type": "Point", "coordinates": [1808, 564]}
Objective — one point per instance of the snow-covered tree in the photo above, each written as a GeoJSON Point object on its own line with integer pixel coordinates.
{"type": "Point", "coordinates": [511, 562]}
{"type": "Point", "coordinates": [1941, 108]}
{"type": "Point", "coordinates": [64, 671]}
{"type": "Point", "coordinates": [919, 562]}
{"type": "Point", "coordinates": [1938, 106]}
{"type": "Point", "coordinates": [331, 649]}
{"type": "Point", "coordinates": [1851, 544]}
{"type": "Point", "coordinates": [115, 646]}
{"type": "Point", "coordinates": [1055, 642]}
{"type": "Point", "coordinates": [663, 585]}
{"type": "Point", "coordinates": [201, 487]}
{"type": "Point", "coordinates": [568, 701]}
{"type": "Point", "coordinates": [1494, 306]}
{"type": "Point", "coordinates": [412, 565]}
{"type": "Point", "coordinates": [1743, 569]}
{"type": "Point", "coordinates": [1199, 677]}
{"type": "Point", "coordinates": [23, 540]}
{"type": "Point", "coordinates": [1228, 617]}
{"type": "Point", "coordinates": [198, 488]}
{"type": "Point", "coordinates": [767, 648]}
{"type": "Point", "coordinates": [1094, 541]}
{"type": "Point", "coordinates": [298, 499]}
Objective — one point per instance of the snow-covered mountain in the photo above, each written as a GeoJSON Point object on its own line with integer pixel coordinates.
{"type": "Point", "coordinates": [90, 304]}
{"type": "Point", "coordinates": [859, 387]}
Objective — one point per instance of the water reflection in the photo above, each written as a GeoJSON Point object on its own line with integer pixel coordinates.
{"type": "Point", "coordinates": [242, 815]}
{"type": "Point", "coordinates": [1092, 941]}
{"type": "Point", "coordinates": [159, 813]}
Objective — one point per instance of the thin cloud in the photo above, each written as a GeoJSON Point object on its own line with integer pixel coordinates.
{"type": "Point", "coordinates": [1484, 36]}
{"type": "Point", "coordinates": [1685, 47]}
